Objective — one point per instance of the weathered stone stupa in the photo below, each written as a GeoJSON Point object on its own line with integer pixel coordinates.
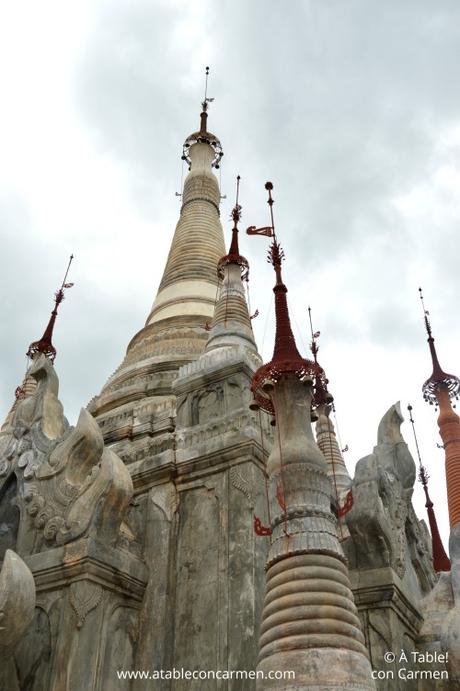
{"type": "Point", "coordinates": [145, 538]}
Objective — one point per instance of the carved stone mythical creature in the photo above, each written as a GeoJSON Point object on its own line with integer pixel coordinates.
{"type": "Point", "coordinates": [382, 491]}
{"type": "Point", "coordinates": [68, 484]}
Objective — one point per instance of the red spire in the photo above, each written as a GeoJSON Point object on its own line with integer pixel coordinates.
{"type": "Point", "coordinates": [285, 345]}
{"type": "Point", "coordinates": [439, 378]}
{"type": "Point", "coordinates": [286, 357]}
{"type": "Point", "coordinates": [45, 345]}
{"type": "Point", "coordinates": [441, 561]}
{"type": "Point", "coordinates": [234, 256]}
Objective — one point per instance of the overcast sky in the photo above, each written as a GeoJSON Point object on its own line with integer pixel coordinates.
{"type": "Point", "coordinates": [352, 109]}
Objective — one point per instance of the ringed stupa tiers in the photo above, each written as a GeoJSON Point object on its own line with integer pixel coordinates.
{"type": "Point", "coordinates": [310, 623]}
{"type": "Point", "coordinates": [231, 324]}
{"type": "Point", "coordinates": [175, 331]}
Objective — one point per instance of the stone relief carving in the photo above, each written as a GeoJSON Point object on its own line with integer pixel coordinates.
{"type": "Point", "coordinates": [69, 485]}
{"type": "Point", "coordinates": [84, 597]}
{"type": "Point", "coordinates": [241, 482]}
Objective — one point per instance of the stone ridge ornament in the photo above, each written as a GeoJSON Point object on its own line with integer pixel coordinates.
{"type": "Point", "coordinates": [70, 486]}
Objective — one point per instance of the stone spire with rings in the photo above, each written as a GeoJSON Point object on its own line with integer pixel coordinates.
{"type": "Point", "coordinates": [176, 330]}
{"type": "Point", "coordinates": [310, 624]}
{"type": "Point", "coordinates": [231, 324]}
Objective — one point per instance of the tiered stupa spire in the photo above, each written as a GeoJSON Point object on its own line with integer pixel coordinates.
{"type": "Point", "coordinates": [310, 624]}
{"type": "Point", "coordinates": [441, 561]}
{"type": "Point", "coordinates": [440, 389]}
{"type": "Point", "coordinates": [326, 437]}
{"type": "Point", "coordinates": [232, 324]}
{"type": "Point", "coordinates": [188, 284]}
{"type": "Point", "coordinates": [286, 357]}
{"type": "Point", "coordinates": [175, 331]}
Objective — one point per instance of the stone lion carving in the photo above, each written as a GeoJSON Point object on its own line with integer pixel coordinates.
{"type": "Point", "coordinates": [69, 485]}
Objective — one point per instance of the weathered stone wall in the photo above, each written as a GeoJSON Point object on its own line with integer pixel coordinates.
{"type": "Point", "coordinates": [199, 517]}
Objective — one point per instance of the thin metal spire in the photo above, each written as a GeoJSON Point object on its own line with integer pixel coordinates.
{"type": "Point", "coordinates": [206, 86]}
{"type": "Point", "coordinates": [236, 211]}
{"type": "Point", "coordinates": [206, 100]}
{"type": "Point", "coordinates": [45, 344]}
{"type": "Point", "coordinates": [270, 202]}
{"type": "Point", "coordinates": [314, 347]}
{"type": "Point", "coordinates": [426, 314]}
{"type": "Point", "coordinates": [321, 393]}
{"type": "Point", "coordinates": [441, 561]}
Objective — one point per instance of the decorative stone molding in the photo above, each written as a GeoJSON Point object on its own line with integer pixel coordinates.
{"type": "Point", "coordinates": [84, 596]}
{"type": "Point", "coordinates": [241, 482]}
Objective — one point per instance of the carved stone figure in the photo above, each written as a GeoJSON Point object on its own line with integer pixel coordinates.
{"type": "Point", "coordinates": [69, 486]}
{"type": "Point", "coordinates": [389, 548]}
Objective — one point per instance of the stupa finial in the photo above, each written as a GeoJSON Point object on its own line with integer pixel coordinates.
{"type": "Point", "coordinates": [203, 136]}
{"type": "Point", "coordinates": [441, 561]}
{"type": "Point", "coordinates": [234, 256]}
{"type": "Point", "coordinates": [439, 379]}
{"type": "Point", "coordinates": [286, 357]}
{"type": "Point", "coordinates": [45, 344]}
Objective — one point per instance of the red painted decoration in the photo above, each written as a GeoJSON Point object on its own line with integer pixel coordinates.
{"type": "Point", "coordinates": [348, 505]}
{"type": "Point", "coordinates": [259, 529]}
